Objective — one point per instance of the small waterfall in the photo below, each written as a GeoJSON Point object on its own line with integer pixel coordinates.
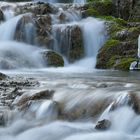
{"type": "Point", "coordinates": [135, 65]}
{"type": "Point", "coordinates": [15, 55]}
{"type": "Point", "coordinates": [7, 29]}
{"type": "Point", "coordinates": [93, 35]}
{"type": "Point", "coordinates": [8, 14]}
{"type": "Point", "coordinates": [139, 47]}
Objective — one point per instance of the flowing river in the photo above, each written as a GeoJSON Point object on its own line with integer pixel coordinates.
{"type": "Point", "coordinates": [65, 103]}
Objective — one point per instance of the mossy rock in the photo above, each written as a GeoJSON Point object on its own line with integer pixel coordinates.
{"type": "Point", "coordinates": [128, 34]}
{"type": "Point", "coordinates": [53, 59]}
{"type": "Point", "coordinates": [113, 19]}
{"type": "Point", "coordinates": [116, 54]}
{"type": "Point", "coordinates": [103, 7]}
{"type": "Point", "coordinates": [91, 12]}
{"type": "Point", "coordinates": [124, 63]}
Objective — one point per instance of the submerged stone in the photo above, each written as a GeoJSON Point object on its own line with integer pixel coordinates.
{"type": "Point", "coordinates": [103, 125]}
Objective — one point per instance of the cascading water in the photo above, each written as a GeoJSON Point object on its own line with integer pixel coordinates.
{"type": "Point", "coordinates": [139, 47]}
{"type": "Point", "coordinates": [75, 103]}
{"type": "Point", "coordinates": [135, 65]}
{"type": "Point", "coordinates": [16, 55]}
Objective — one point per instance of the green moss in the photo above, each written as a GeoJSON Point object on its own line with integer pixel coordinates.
{"type": "Point", "coordinates": [92, 12]}
{"type": "Point", "coordinates": [111, 42]}
{"type": "Point", "coordinates": [113, 19]}
{"type": "Point", "coordinates": [103, 7]}
{"type": "Point", "coordinates": [124, 63]}
{"type": "Point", "coordinates": [112, 61]}
{"type": "Point", "coordinates": [103, 1]}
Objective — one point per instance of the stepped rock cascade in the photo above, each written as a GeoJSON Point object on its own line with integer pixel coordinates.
{"type": "Point", "coordinates": [51, 90]}
{"type": "Point", "coordinates": [61, 29]}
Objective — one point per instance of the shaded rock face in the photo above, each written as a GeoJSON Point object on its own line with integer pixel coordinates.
{"type": "Point", "coordinates": [69, 42]}
{"type": "Point", "coordinates": [127, 9]}
{"type": "Point", "coordinates": [25, 30]}
{"type": "Point", "coordinates": [1, 16]}
{"type": "Point", "coordinates": [43, 30]}
{"type": "Point", "coordinates": [53, 59]}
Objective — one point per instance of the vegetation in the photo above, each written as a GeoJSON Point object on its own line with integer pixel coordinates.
{"type": "Point", "coordinates": [121, 47]}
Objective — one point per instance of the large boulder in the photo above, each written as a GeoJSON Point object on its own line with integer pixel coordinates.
{"type": "Point", "coordinates": [53, 59]}
{"type": "Point", "coordinates": [70, 42]}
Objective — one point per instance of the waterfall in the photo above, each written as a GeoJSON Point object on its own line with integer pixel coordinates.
{"type": "Point", "coordinates": [77, 40]}
{"type": "Point", "coordinates": [135, 65]}
{"type": "Point", "coordinates": [7, 29]}
{"type": "Point", "coordinates": [139, 46]}
{"type": "Point", "coordinates": [15, 55]}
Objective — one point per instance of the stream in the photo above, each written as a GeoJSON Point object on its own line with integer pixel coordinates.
{"type": "Point", "coordinates": [72, 102]}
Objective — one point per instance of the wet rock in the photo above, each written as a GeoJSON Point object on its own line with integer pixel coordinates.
{"type": "Point", "coordinates": [2, 121]}
{"type": "Point", "coordinates": [134, 102]}
{"type": "Point", "coordinates": [70, 42]}
{"type": "Point", "coordinates": [25, 30]}
{"type": "Point", "coordinates": [35, 8]}
{"type": "Point", "coordinates": [77, 49]}
{"type": "Point", "coordinates": [103, 125]}
{"type": "Point", "coordinates": [53, 59]}
{"type": "Point", "coordinates": [45, 94]}
{"type": "Point", "coordinates": [43, 31]}
{"type": "Point", "coordinates": [43, 9]}
{"type": "Point", "coordinates": [1, 16]}
{"type": "Point", "coordinates": [3, 76]}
